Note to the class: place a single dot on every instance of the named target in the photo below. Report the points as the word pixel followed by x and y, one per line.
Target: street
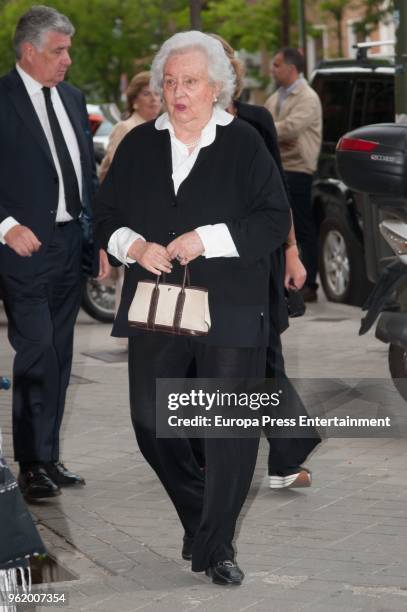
pixel 340 545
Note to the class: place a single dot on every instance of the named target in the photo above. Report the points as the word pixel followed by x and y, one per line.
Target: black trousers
pixel 286 454
pixel 299 185
pixel 208 505
pixel 41 311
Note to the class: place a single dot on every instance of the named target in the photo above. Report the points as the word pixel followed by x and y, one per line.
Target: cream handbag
pixel 175 309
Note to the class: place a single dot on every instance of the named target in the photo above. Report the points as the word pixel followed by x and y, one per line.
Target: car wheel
pixel 398 368
pixel 342 263
pixel 98 300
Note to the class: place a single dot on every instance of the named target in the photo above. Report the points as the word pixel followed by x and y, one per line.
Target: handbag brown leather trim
pixel 153 307
pixel 178 311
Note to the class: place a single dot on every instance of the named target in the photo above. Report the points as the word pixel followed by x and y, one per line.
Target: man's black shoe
pixel 187 547
pixel 35 484
pixel 61 476
pixel 225 572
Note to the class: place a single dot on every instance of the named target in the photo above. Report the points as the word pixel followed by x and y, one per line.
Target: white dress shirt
pixel 34 90
pixel 216 238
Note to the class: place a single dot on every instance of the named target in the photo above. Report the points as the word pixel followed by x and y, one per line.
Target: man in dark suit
pixel 47 178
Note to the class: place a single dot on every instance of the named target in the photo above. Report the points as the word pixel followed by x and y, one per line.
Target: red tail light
pixel 356 144
pixel 95 120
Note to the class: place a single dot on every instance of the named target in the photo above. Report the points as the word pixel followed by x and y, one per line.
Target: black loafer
pixel 187 548
pixel 225 572
pixel 61 475
pixel 35 484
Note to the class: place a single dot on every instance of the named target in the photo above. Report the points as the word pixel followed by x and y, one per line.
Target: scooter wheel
pixel 398 368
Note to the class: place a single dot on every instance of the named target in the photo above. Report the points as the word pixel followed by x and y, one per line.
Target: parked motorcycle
pixel 373 160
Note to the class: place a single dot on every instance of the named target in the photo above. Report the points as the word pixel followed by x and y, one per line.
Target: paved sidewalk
pixel 339 546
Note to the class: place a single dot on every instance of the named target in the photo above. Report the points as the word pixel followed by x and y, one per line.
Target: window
pixel 380 102
pixel 335 100
pixel 358 105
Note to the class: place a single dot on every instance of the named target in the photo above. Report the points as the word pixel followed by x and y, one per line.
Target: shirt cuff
pixel 5 226
pixel 120 242
pixel 217 241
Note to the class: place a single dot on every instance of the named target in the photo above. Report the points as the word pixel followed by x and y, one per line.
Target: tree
pixel 336 8
pixel 375 12
pixel 121 36
pixel 195 14
pixel 251 25
pixel 112 37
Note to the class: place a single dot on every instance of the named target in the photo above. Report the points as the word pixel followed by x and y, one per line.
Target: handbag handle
pixel 186 281
pixel 179 306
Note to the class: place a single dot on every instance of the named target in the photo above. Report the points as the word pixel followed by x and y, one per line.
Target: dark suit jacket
pixel 261 119
pixel 28 178
pixel 234 181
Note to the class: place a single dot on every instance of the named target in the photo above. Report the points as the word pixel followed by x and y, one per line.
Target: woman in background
pixel 142 105
pixel 287 271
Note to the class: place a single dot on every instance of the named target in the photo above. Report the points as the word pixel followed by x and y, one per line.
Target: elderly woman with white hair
pixel 196 186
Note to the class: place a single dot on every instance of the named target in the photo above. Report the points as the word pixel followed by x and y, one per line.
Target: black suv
pixel 353 93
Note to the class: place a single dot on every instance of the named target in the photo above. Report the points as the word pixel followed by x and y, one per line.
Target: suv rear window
pixel 379 102
pixel 335 99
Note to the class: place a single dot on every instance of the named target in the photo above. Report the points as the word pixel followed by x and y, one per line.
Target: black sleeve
pixel 268 219
pixel 89 138
pixel 107 215
pixel 269 134
pixel 90 248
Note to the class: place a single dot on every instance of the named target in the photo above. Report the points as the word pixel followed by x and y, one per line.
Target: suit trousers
pixel 208 504
pixel 41 311
pixel 300 185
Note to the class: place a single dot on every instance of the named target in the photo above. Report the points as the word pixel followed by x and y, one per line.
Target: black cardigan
pixel 235 181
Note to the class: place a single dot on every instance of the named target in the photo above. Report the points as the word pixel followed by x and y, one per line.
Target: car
pixel 98 299
pixel 102 118
pixel 95 115
pixel 353 93
pixel 101 139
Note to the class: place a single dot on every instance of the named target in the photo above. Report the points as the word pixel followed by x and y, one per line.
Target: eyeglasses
pixel 188 84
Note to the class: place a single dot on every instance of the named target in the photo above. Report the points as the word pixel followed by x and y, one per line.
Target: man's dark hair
pixel 294 57
pixel 38 20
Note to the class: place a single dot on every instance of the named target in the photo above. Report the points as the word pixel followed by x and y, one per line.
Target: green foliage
pixel 9 15
pixel 245 25
pixel 112 37
pixel 120 36
pixel 335 8
pixel 374 14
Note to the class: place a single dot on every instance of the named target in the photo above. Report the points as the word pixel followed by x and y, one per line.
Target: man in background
pixel 297 115
pixel 47 178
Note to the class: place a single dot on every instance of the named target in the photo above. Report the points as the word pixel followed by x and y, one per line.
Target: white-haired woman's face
pixel 188 94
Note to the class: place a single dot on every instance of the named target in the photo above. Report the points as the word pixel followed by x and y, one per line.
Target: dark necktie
pixel 71 189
